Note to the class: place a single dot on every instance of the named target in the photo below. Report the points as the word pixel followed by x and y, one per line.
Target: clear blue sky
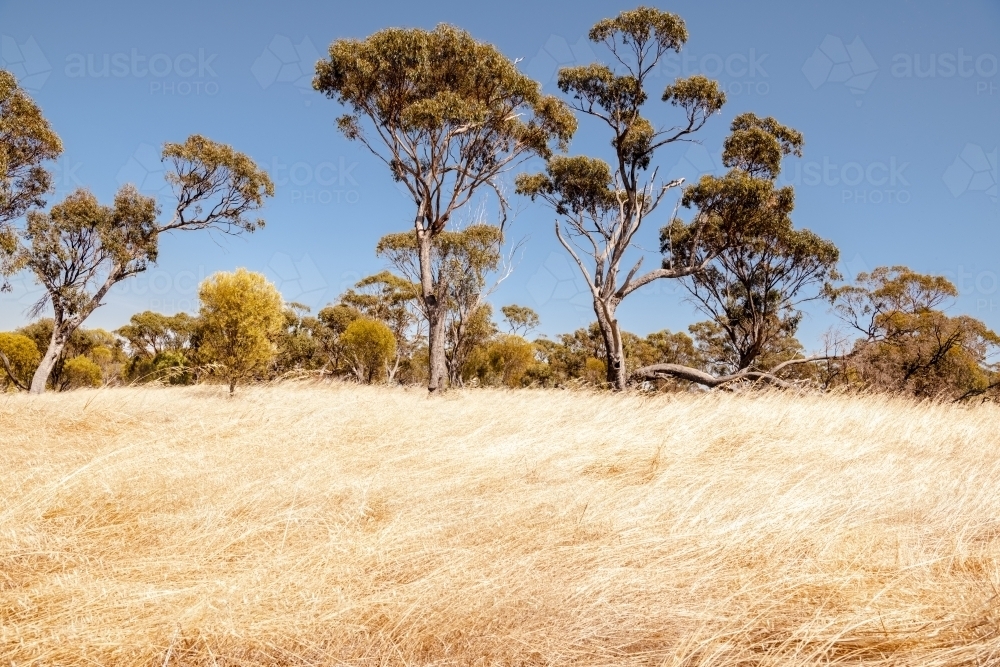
pixel 899 103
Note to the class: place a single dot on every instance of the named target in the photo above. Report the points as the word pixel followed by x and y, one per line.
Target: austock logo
pixel 973 170
pixel 557 280
pixel 284 62
pixel 836 62
pixel 298 281
pixel 145 171
pixel 695 163
pixel 556 53
pixel 162 290
pixel 25 61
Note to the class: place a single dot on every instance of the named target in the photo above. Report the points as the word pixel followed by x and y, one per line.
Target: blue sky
pixel 899 103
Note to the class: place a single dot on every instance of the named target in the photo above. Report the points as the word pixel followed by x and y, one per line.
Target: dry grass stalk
pixel 316 524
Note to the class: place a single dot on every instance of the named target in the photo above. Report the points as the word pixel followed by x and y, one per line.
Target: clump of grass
pixel 318 524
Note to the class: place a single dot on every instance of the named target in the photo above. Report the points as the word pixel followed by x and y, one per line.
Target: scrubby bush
pixel 241 314
pixel 81 371
pixel 22 358
pixel 368 346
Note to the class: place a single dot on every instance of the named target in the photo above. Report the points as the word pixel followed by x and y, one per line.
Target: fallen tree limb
pixel 10 373
pixel 659 371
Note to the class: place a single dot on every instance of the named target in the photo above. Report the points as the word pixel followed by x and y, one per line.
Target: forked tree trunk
pixel 438 363
pixel 614 349
pixel 434 309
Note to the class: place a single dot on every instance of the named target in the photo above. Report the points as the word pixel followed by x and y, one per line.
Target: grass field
pixel 328 525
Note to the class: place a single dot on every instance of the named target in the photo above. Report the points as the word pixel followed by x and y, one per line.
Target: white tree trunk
pixel 56 344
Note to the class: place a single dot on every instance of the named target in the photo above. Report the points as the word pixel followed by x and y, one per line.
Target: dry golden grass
pixel 323 525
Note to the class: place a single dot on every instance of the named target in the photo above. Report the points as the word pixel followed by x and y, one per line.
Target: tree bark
pixel 60 334
pixel 708 380
pixel 11 378
pixel 614 349
pixel 438 363
pixel 434 309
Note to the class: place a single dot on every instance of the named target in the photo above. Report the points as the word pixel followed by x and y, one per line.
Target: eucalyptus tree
pixel 754 291
pixel 908 343
pixel 757 269
pixel 390 299
pixel 448 116
pixel 80 248
pixel 520 319
pixel 460 263
pixel 601 206
pixel 26 141
pixel 240 316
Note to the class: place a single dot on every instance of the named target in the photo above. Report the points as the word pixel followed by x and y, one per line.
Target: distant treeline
pixel 374 333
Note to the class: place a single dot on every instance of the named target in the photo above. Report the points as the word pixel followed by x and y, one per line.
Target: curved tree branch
pixel 659 371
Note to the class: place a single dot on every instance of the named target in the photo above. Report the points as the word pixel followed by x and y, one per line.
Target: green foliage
pixel 79 372
pixel 369 345
pixel 909 344
pixel 450 115
pixel 440 83
pixel 80 247
pixel 170 366
pixel 602 204
pixel 215 186
pixel 82 342
pixel 641 29
pixel 504 361
pixel 461 262
pixel 150 334
pixel 752 290
pixel 26 141
pixel 19 361
pixel 338 317
pixel 387 298
pixel 520 319
pixel 241 314
pixel 757 145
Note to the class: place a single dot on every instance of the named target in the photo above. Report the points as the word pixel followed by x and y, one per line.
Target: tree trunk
pixel 438 365
pixel 614 350
pixel 434 309
pixel 56 345
pixel 457 359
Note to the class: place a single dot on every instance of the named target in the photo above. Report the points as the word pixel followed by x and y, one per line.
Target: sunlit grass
pixel 316 524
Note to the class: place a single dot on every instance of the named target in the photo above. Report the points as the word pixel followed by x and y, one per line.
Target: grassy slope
pixel 322 525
